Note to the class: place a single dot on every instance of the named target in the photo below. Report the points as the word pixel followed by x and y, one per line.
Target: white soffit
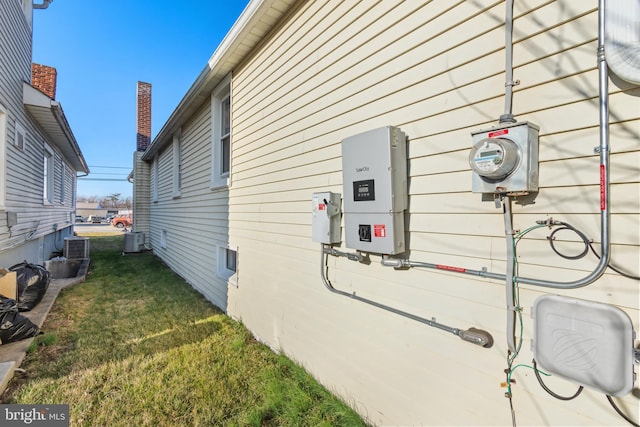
pixel 51 119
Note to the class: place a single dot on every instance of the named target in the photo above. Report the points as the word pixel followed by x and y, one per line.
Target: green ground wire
pixel 524 366
pixel 517 238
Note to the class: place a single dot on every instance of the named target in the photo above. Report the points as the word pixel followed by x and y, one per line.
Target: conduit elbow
pixel 393 262
pixel 477 337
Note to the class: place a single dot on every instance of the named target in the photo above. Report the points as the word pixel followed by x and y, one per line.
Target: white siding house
pixel 301 76
pixel 39 156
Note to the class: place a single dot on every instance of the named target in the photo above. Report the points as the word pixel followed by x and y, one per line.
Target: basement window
pixel 227 264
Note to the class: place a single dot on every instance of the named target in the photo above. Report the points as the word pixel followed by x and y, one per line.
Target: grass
pixel 136 345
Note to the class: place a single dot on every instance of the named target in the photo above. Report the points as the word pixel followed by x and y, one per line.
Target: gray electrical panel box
pixel 325 220
pixel 374 171
pixel 505 160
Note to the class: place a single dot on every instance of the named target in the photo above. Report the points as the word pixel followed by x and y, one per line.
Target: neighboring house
pixel 85 209
pixel 39 155
pixel 224 197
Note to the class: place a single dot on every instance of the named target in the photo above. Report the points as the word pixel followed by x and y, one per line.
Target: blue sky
pixel 101 49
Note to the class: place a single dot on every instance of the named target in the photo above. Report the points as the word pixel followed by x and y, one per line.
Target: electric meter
pixel 494 158
pixel 505 160
pixel 374 173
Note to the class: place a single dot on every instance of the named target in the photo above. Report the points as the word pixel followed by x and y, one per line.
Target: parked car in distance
pixel 95 219
pixel 80 218
pixel 121 221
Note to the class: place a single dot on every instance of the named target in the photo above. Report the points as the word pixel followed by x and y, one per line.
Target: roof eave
pixel 255 21
pixel 51 119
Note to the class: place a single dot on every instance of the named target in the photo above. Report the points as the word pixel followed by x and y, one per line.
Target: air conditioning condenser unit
pixel 133 242
pixel 76 247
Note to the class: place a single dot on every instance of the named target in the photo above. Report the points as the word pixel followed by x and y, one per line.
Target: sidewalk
pixel 12 354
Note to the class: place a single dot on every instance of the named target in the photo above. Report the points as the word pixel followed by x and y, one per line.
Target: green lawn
pixel 135 345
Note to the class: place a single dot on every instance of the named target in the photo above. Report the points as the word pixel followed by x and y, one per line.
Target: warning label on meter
pixel 379 230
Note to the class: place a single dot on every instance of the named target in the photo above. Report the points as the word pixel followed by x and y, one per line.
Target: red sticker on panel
pixel 379 230
pixel 498 133
pixel 322 206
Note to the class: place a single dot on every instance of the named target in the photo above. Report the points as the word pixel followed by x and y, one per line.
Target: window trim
pixel 220 94
pixel 19 131
pixel 163 239
pixel 63 183
pixel 3 143
pixel 154 179
pixel 177 164
pixel 48 175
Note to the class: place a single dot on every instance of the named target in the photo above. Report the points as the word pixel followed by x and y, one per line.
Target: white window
pixel 3 139
pixel 227 264
pixel 221 134
pixel 20 137
pixel 177 164
pixel 154 179
pixel 48 175
pixel 63 181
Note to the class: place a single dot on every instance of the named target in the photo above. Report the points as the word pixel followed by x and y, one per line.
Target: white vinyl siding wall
pixel 23 180
pixel 436 70
pixel 196 222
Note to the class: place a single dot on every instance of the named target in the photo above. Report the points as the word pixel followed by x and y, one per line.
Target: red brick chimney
pixel 44 79
pixel 143 138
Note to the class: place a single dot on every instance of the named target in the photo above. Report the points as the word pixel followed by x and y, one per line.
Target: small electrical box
pixel 505 160
pixel 586 342
pixel 374 171
pixel 325 222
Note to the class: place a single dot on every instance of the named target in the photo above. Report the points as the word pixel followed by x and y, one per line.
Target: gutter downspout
pixel 45 4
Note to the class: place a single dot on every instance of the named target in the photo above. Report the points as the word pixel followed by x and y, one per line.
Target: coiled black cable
pixel 587 245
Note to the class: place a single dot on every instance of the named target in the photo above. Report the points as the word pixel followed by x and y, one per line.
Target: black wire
pixel 613 267
pixel 587 245
pixel 548 390
pixel 622 414
pixel 509 396
pixel 584 238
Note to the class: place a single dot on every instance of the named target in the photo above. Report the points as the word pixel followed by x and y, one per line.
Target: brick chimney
pixel 143 138
pixel 44 79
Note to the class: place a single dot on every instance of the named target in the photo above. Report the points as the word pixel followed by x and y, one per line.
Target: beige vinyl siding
pixel 197 220
pixel 436 70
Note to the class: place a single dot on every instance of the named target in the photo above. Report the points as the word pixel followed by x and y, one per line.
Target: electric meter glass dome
pixel 494 158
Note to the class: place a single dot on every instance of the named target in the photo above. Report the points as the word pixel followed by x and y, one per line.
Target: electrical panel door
pixel 374 168
pixel 325 220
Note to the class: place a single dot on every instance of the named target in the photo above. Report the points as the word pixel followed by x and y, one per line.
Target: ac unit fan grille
pixel 76 248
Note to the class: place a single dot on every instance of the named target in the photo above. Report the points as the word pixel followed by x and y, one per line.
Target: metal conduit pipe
pixel 605 213
pixel 507 117
pixel 509 283
pixel 472 335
